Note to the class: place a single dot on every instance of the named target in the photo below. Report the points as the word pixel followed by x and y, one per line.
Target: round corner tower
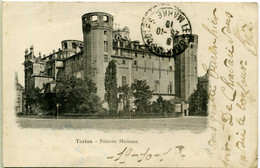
pixel 98 46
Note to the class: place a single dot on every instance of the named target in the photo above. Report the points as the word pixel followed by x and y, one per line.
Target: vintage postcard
pixel 130 84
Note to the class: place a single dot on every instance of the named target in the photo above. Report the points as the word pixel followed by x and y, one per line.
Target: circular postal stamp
pixel 166 30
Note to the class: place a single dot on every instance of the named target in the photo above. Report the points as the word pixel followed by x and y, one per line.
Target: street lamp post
pixel 57 106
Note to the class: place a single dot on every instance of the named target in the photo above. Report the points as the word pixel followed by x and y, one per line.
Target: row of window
pixel 94 18
pixel 143 55
pixel 156 85
pixel 124 62
pixel 129 44
pixel 74 45
pixel 136 63
pixel 122 45
pixel 79 57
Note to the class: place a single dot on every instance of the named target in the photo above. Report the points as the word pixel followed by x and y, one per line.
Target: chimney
pixel 26 51
pixel 40 55
pixel 32 51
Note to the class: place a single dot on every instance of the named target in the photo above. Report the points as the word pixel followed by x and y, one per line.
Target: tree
pixel 111 87
pixel 168 107
pixel 125 97
pixel 77 95
pixel 91 105
pixel 33 98
pixel 142 95
pixel 161 106
pixel 48 101
pixel 199 102
pixel 157 106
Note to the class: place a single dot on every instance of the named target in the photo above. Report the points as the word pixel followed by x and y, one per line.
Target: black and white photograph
pixel 108 75
pixel 110 84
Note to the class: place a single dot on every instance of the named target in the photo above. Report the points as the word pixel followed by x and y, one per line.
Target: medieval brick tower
pixel 186 73
pixel 98 46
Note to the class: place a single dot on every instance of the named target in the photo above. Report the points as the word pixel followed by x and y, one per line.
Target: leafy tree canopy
pixel 199 102
pixel 77 95
pixel 33 96
pixel 142 95
pixel 161 106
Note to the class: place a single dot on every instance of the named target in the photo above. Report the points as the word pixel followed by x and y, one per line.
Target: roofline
pixel 42 76
pixel 93 13
pixel 81 52
pixel 71 40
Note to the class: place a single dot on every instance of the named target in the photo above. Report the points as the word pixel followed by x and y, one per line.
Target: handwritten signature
pixel 234 87
pixel 245 35
pixel 147 155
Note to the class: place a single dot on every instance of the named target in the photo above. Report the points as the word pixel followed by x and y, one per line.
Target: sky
pixel 44 25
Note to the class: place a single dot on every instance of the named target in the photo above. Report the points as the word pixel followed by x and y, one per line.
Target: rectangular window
pixel 170 88
pixel 123 80
pixel 123 62
pixel 105 32
pixel 116 51
pixel 192 39
pixel 105 18
pixel 74 45
pixel 65 45
pixel 121 52
pixel 105 46
pixel 94 18
pixel 191 46
pixel 105 58
pixel 156 85
pixel 135 54
pixel 121 44
pixel 135 62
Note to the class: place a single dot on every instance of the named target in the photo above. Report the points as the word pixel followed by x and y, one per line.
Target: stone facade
pixel 204 81
pixel 186 72
pixel 19 95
